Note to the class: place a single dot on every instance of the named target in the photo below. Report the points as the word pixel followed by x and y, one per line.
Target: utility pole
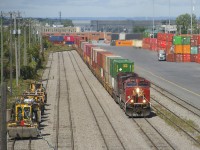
pixel 11 55
pixel 25 49
pixel 19 44
pixel 1 48
pixel 16 58
pixel 29 43
pixel 3 128
pixel 153 17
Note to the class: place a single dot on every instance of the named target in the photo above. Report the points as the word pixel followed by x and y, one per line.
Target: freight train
pixel 116 74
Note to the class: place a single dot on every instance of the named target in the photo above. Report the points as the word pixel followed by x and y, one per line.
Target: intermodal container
pixel 178 57
pixel 193 57
pixel 193 42
pixel 138 43
pixel 124 43
pixel 186 49
pixel 69 38
pixel 194 50
pixel 69 43
pixel 177 40
pixel 100 56
pixel 170 58
pixel 122 66
pixel 122 36
pixel 198 58
pixel 186 58
pixel 105 55
pixel 111 79
pixel 186 40
pixel 178 49
pixel 199 49
pixel 95 51
pixel 169 37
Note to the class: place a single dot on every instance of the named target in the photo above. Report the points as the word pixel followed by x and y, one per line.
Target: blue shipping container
pixel 56 38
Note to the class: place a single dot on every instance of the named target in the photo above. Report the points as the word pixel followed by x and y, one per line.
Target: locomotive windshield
pixel 143 83
pixel 131 84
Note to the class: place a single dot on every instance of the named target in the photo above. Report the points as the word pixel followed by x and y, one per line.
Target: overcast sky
pixel 100 8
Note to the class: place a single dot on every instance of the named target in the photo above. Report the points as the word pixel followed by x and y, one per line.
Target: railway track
pixel 192 132
pixel 16 144
pixel 63 99
pixel 177 100
pixel 102 122
pixel 157 140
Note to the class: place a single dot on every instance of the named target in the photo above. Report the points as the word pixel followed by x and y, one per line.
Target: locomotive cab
pixel 135 97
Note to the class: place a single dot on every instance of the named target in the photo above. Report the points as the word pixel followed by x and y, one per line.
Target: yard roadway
pixel 182 79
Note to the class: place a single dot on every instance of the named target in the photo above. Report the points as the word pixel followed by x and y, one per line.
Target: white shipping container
pixel 138 43
pixel 122 36
pixel 108 62
pixel 95 54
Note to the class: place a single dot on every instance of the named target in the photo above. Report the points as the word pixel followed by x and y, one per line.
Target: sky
pixel 101 8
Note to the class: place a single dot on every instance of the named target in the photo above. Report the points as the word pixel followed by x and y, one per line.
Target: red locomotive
pixel 133 94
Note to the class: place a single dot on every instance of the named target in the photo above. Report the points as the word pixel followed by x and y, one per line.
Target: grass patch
pixel 181 122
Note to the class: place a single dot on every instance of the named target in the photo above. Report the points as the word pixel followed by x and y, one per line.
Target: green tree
pixel 183 23
pixel 67 23
pixel 138 29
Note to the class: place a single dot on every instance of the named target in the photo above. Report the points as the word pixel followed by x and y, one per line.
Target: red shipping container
pixel 159 36
pixel 198 58
pixel 153 41
pixel 178 57
pixel 195 36
pixel 69 38
pixel 199 49
pixel 193 57
pixel 170 37
pixel 186 58
pixel 193 42
pixel 170 58
pixel 100 56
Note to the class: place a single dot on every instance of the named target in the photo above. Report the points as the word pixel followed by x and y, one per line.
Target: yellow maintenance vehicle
pixel 39 88
pixel 38 97
pixel 25 119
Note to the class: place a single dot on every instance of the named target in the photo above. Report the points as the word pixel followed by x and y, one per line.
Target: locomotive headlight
pixel 144 101
pixel 132 101
pixel 137 90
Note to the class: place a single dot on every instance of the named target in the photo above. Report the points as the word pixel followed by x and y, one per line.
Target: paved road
pixel 182 79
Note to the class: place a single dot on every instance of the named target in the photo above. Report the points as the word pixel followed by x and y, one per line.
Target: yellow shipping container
pixel 186 49
pixel 124 43
pixel 178 49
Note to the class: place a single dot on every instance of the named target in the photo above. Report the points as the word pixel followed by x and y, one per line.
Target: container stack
pixel 194 42
pixel 164 41
pixel 150 44
pixel 69 40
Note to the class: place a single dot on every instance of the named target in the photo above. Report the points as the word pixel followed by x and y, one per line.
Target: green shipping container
pixel 186 40
pixel 122 66
pixel 177 40
pixel 111 63
pixel 194 50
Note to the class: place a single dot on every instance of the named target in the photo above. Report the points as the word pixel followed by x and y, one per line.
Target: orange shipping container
pixel 178 49
pixel 186 49
pixel 124 43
